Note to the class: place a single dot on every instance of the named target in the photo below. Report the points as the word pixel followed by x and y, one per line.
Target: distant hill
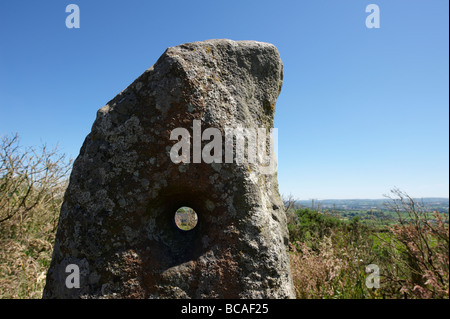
pixel 433 203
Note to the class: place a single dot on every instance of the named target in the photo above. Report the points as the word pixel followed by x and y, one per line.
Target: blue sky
pixel 361 110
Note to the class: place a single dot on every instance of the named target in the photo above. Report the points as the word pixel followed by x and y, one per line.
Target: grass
pixel 25 255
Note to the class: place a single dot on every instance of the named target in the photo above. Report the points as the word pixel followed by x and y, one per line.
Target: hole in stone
pixel 186 218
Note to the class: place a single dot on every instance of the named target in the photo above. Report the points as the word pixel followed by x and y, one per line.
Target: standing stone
pixel 117 220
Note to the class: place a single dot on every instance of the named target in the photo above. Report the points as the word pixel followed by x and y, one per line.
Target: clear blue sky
pixel 361 110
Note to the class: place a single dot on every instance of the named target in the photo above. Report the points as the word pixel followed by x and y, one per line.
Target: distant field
pixel 435 204
pixel 374 212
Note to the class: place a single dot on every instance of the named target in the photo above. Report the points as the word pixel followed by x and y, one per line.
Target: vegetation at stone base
pixel 329 252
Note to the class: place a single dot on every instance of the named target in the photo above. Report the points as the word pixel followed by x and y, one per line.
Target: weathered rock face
pixel 116 223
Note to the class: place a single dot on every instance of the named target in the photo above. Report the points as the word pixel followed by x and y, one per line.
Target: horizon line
pixel 415 198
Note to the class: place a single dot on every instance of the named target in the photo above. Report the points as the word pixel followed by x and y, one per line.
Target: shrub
pixel 32 184
pixel 418 249
pixel 329 257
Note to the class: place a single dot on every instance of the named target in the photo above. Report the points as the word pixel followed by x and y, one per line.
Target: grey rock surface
pixel 116 222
